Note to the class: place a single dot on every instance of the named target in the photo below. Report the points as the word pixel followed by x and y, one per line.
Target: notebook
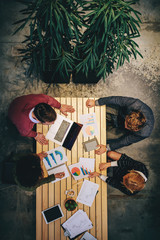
pixel 64 132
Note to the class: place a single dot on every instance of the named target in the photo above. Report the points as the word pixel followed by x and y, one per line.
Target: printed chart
pixel 83 168
pixel 55 158
pixel 89 122
pixel 75 171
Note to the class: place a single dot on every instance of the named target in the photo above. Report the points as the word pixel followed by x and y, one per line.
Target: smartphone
pixel 53 213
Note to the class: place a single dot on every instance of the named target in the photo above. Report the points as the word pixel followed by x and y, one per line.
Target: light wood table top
pixel 54 193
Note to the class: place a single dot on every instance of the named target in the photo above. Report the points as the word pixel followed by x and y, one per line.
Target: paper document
pixel 90 127
pixel 87 193
pixel 83 168
pixel 77 224
pixel 88 236
pixel 61 168
pixel 55 157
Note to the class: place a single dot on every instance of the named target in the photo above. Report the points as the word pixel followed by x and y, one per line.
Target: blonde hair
pixel 135 120
pixel 133 181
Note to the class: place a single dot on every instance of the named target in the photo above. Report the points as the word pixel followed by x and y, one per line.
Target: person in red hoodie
pixel 27 110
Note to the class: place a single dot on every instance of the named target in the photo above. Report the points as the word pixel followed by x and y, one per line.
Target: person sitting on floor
pixel 27 110
pixel 29 171
pixel 129 120
pixel 129 176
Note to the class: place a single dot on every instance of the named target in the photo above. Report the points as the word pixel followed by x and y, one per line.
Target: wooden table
pixel 53 193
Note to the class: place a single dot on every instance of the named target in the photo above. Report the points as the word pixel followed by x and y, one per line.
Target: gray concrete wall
pixel 129 217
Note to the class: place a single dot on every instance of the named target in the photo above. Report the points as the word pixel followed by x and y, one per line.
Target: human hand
pixel 103 166
pixel 59 175
pixel 42 155
pixel 102 149
pixel 41 139
pixel 90 103
pixel 94 174
pixel 66 108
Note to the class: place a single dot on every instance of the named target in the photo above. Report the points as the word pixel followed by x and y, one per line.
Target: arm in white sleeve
pixel 114 164
pixel 103 178
pixel 108 147
pixel 96 103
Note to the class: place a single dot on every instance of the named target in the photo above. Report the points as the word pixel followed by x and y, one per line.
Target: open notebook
pixel 64 132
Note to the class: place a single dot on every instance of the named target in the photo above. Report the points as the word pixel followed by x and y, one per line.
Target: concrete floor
pixel 134 218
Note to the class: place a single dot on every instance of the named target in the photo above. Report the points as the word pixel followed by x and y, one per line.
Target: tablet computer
pixel 53 213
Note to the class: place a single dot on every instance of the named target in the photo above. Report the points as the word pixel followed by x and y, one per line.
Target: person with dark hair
pixel 129 120
pixel 129 176
pixel 27 110
pixel 29 171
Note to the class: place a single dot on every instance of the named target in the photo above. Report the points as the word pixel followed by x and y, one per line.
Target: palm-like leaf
pixel 56 42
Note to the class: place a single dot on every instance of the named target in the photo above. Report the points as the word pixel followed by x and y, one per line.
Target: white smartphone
pixel 53 213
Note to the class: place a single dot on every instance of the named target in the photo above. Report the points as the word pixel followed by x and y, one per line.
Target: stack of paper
pixel 88 236
pixel 77 224
pixel 83 168
pixel 87 193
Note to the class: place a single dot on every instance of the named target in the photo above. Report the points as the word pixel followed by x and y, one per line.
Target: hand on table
pixel 94 174
pixel 42 155
pixel 90 103
pixel 102 149
pixel 103 166
pixel 66 108
pixel 41 139
pixel 59 175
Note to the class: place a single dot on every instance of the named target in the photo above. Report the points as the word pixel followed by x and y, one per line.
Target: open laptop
pixel 64 132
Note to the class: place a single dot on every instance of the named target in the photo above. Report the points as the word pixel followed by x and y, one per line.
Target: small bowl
pixel 70 204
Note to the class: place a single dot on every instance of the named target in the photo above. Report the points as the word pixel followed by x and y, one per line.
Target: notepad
pixel 90 144
pixel 77 224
